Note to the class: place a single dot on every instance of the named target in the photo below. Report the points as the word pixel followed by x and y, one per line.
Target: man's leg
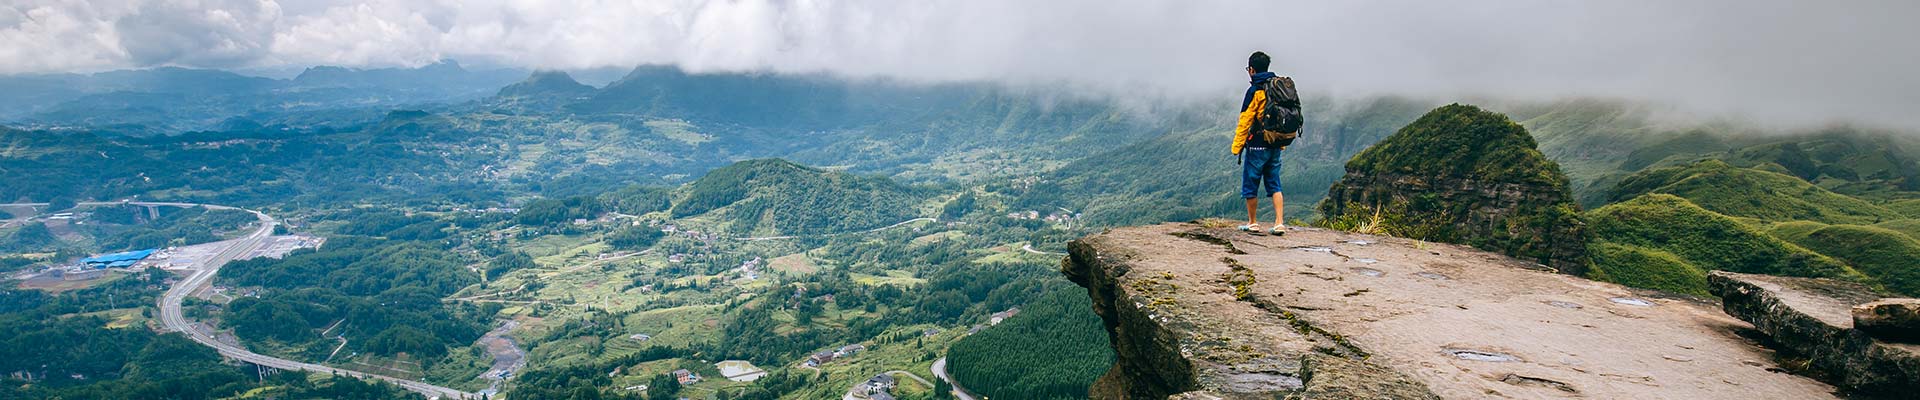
pixel 1253 210
pixel 1279 211
pixel 1271 174
pixel 1250 183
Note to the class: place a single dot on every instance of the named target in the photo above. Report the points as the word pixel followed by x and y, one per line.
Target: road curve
pixel 940 372
pixel 174 319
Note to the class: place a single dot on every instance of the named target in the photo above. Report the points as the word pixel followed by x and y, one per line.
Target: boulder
pixel 1889 319
pixel 1813 318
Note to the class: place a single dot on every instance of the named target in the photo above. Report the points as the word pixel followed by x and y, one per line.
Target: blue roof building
pixel 117 260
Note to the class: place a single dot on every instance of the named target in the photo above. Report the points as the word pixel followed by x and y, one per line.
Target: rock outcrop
pixel 1889 319
pixel 1202 312
pixel 1813 319
pixel 1464 175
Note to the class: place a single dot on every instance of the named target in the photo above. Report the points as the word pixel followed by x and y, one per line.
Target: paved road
pixel 940 371
pixel 1029 248
pixel 174 319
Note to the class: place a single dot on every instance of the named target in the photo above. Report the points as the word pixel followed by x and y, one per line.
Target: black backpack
pixel 1280 120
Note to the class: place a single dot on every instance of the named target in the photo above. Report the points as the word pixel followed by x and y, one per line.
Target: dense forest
pixel 389 292
pixel 1053 349
pixel 80 356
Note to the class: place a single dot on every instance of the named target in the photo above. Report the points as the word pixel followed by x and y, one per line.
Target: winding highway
pixel 202 274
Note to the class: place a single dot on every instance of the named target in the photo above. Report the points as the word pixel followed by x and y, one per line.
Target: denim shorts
pixel 1260 168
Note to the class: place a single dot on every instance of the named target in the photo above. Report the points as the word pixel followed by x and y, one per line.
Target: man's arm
pixel 1243 130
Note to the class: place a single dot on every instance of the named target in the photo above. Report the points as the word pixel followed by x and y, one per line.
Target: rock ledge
pixel 1814 318
pixel 1199 312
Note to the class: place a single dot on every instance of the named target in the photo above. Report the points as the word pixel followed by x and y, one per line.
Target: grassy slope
pixel 1908 207
pixel 1730 190
pixel 1911 227
pixel 1650 228
pixel 1890 257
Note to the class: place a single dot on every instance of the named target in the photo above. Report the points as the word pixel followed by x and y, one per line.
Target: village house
pixel 686 377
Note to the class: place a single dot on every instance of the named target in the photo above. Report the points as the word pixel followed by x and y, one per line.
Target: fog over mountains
pixel 1797 62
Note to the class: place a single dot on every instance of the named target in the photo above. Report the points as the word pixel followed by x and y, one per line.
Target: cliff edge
pixel 1200 312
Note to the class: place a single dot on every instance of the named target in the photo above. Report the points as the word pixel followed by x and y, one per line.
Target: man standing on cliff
pixel 1265 129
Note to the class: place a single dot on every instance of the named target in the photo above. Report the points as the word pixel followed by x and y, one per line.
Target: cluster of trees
pixel 64 354
pixel 798 199
pixel 1054 349
pixel 590 380
pixel 28 238
pixel 127 227
pixel 634 237
pixel 388 293
pixel 630 200
pixel 393 225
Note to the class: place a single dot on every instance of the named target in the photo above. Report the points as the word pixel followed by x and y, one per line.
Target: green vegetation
pixel 1462 141
pixel 1664 242
pixel 1908 207
pixel 1460 174
pixel 1743 192
pixel 389 291
pixel 1054 349
pixel 1911 227
pixel 777 196
pixel 1646 268
pixel 1889 257
pixel 127 227
pixel 28 238
pixel 64 347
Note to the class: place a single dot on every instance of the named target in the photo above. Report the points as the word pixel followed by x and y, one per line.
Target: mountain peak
pixel 546 82
pixel 1464 175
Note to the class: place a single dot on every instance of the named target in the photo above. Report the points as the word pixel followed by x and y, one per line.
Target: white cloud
pixel 1800 61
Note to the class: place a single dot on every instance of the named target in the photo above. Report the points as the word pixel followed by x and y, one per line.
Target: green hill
pixel 1460 174
pixel 1665 242
pixel 1890 257
pixel 1843 160
pixel 1726 189
pixel 774 196
pixel 1910 227
pixel 1908 207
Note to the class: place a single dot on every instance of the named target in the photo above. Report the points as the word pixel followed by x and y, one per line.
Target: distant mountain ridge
pixel 172 100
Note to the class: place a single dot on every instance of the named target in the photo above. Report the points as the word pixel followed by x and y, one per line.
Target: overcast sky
pixel 1804 61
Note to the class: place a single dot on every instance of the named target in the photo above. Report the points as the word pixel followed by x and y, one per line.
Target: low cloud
pixel 1799 62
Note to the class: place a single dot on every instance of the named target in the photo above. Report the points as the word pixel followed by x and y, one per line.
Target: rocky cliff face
pixel 1814 318
pixel 1464 175
pixel 1202 312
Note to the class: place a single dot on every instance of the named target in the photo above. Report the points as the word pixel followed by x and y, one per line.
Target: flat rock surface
pixel 1466 323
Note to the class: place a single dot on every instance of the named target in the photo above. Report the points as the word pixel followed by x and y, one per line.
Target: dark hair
pixel 1259 61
